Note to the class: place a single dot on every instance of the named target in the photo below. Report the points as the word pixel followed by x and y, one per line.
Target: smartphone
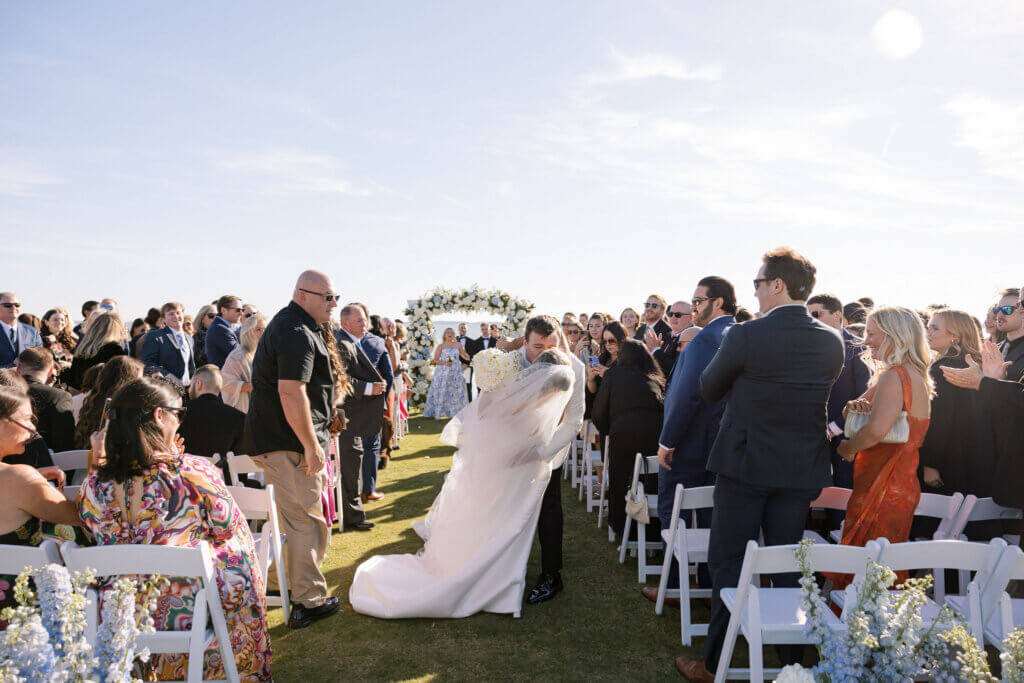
pixel 593 361
pixel 106 415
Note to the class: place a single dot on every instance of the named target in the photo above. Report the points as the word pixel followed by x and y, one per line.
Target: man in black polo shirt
pixel 289 417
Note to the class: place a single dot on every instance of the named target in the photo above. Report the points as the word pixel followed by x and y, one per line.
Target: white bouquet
pixel 494 369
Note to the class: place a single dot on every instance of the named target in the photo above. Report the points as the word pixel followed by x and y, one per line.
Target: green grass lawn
pixel 599 628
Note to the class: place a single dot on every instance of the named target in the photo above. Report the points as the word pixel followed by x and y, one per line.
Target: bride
pixel 480 528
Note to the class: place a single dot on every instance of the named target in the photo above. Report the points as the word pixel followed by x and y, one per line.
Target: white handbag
pixel 899 433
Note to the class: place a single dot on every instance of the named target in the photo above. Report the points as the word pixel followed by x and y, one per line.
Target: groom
pixel 542 333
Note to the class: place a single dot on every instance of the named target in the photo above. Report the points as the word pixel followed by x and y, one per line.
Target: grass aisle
pixel 599 628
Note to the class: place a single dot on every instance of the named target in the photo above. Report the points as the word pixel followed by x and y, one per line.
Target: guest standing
pixel 654 321
pixel 1010 321
pixel 168 349
pixel 771 455
pixel 289 419
pixel 105 338
pixel 59 340
pixel 87 309
pixel 447 393
pixel 222 335
pixel 237 371
pixel 630 321
pixel 680 318
pixel 203 319
pixel 15 336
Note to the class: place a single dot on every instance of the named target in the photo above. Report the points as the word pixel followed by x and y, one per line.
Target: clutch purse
pixel 637 509
pixel 899 433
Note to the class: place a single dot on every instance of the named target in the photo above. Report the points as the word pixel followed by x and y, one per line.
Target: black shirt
pixel 1013 351
pixel 55 418
pixel 291 348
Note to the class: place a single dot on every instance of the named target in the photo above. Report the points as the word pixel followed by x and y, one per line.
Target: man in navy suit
pixel 354 322
pixel 169 349
pixel 691 424
pixel 15 337
pixel 222 335
pixel 771 455
pixel 852 383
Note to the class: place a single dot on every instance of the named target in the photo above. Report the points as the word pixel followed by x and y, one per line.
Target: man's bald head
pixel 312 279
pixel 315 294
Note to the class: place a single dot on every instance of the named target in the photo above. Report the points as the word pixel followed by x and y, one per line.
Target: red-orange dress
pixel 885 487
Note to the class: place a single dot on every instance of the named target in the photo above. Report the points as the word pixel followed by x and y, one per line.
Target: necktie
pixel 14 337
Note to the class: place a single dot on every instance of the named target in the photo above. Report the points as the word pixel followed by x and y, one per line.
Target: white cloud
pixel 646 66
pixel 285 171
pixel 994 129
pixel 18 179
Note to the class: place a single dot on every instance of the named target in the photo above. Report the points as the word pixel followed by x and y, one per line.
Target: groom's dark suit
pixel 772 450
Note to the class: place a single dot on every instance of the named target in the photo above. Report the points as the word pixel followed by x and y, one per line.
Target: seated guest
pixel 208 426
pixel 36 454
pixel 237 370
pixel 88 385
pixel 136 334
pixel 104 339
pixel 144 492
pixel 222 335
pixel 629 408
pixel 168 349
pixel 55 420
pixel 116 373
pixel 15 336
pixel 87 309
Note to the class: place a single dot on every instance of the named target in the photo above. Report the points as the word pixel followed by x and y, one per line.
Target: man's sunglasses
pixel 1005 310
pixel 652 305
pixel 11 304
pixel 698 300
pixel 818 314
pixel 677 314
pixel 327 297
pixel 107 307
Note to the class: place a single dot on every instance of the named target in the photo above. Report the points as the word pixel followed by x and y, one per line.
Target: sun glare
pixel 897 34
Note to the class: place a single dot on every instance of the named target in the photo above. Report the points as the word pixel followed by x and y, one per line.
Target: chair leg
pixel 641 552
pixel 666 564
pixel 625 539
pixel 728 645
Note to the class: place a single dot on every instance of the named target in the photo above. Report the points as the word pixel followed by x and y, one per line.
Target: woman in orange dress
pixel 885 485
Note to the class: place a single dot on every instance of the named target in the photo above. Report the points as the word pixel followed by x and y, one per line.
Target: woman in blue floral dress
pixel 447 395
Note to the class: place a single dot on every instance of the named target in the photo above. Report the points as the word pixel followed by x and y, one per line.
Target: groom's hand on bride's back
pixel 511 344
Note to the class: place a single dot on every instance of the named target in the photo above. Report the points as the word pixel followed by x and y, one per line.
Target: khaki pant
pixel 300 514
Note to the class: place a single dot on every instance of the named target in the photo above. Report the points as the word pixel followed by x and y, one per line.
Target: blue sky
pixel 579 154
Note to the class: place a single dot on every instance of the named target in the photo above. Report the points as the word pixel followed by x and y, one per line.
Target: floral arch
pixel 440 301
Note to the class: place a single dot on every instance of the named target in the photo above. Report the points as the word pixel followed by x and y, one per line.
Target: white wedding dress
pixel 480 528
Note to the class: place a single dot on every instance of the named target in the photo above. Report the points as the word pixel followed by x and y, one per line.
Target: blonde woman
pixel 885 486
pixel 237 370
pixel 447 393
pixel 105 338
pixel 201 322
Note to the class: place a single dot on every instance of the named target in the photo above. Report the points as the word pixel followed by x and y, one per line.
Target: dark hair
pixel 830 302
pixel 226 301
pixel 855 313
pixel 133 434
pixel 619 332
pixel 376 326
pixel 794 269
pixel 65 336
pixel 867 302
pixel 35 359
pixel 90 376
pixel 342 386
pixel 633 354
pixel 136 324
pixel 11 398
pixel 720 288
pixel 152 316
pixel 30 319
pixel 742 315
pixel 116 373
pixel 552 357
pixel 88 306
pixel 544 325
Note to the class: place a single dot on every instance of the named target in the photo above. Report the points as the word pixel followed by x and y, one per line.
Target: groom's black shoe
pixel 548 586
pixel 304 616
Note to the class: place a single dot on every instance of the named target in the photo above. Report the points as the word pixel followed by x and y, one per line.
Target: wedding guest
pixel 402 339
pixel 154 318
pixel 204 318
pixel 630 321
pixel 854 316
pixel 144 491
pixel 237 372
pixel 867 302
pixel 590 345
pixel 207 425
pixel 629 408
pixel 188 327
pixel 290 413
pixel 36 453
pixel 852 383
pixel 573 332
pixel 87 309
pixel 248 311
pixel 28 497
pixel 992 332
pixel 387 432
pixel 51 405
pixel 15 336
pixel 743 315
pixel 222 334
pixel 447 394
pixel 654 321
pixel 1010 321
pixel 137 331
pixel 680 317
pixel 116 373
pixel 31 321
pixel 104 339
pixel 958 452
pixel 885 486
pixel 109 305
pixel 568 318
pixel 465 342
pixel 771 456
pixel 168 349
pixel 59 340
pixel 89 380
pixel 612 337
pixel 691 424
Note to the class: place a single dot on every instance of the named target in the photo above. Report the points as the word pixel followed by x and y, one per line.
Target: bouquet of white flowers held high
pixel 494 369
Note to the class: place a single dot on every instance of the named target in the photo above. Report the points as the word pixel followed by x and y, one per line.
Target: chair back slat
pixel 698 498
pixel 71 492
pixel 14 559
pixel 832 498
pixel 255 504
pixel 941 554
pixel 821 557
pixel 115 560
pixel 71 460
pixel 986 509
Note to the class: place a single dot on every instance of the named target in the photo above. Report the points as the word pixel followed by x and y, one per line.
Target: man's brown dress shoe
pixel 694 670
pixel 376 495
pixel 651 593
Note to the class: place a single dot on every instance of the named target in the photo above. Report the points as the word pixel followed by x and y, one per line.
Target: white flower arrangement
pixel 494 369
pixel 45 638
pixel 421 329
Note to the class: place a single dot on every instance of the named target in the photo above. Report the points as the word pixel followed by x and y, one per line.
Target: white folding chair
pixel 146 560
pixel 74 464
pixel 576 476
pixel 830 498
pixel 1009 612
pixel 935 506
pixel 336 460
pixel 689 546
pixel 772 616
pixel 602 502
pixel 591 480
pixel 638 494
pixel 259 505
pixel 71 492
pixel 14 559
pixel 243 464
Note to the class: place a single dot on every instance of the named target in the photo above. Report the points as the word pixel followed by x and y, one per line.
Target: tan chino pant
pixel 301 516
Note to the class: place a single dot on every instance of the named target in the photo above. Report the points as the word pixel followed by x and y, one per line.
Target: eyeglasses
pixel 1005 310
pixel 652 305
pixel 177 410
pixel 11 304
pixel 817 314
pixel 106 307
pixel 31 430
pixel 327 297
pixel 249 315
pixel 758 281
pixel 698 300
pixel 611 340
pixel 677 314
pixel 211 316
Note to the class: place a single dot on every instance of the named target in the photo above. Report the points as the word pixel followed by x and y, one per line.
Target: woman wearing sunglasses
pixel 203 319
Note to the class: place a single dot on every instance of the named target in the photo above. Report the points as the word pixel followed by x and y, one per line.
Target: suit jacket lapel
pixel 7 341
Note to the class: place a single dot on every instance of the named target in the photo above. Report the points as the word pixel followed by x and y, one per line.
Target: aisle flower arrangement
pixel 45 637
pixel 886 638
pixel 439 301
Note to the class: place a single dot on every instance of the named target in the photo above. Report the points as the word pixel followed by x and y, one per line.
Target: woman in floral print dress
pixel 143 492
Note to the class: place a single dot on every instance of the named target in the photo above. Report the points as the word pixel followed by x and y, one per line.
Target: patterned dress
pixel 447 394
pixel 184 502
